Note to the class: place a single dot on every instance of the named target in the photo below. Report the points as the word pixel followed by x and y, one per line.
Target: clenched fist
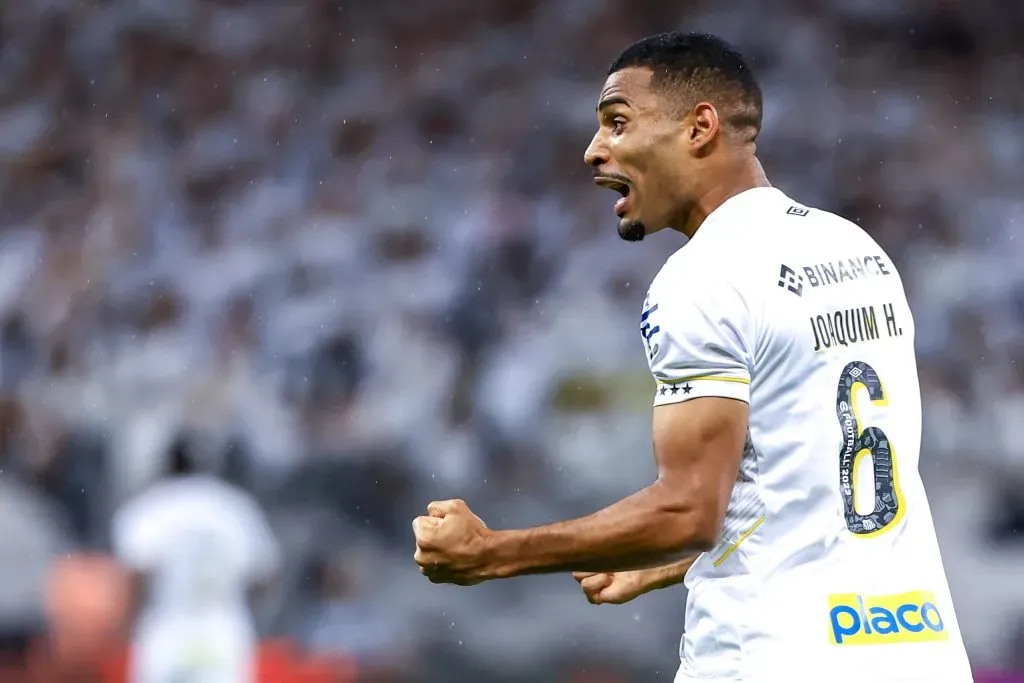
pixel 612 588
pixel 452 544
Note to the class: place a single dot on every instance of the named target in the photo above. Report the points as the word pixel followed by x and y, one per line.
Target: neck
pixel 740 177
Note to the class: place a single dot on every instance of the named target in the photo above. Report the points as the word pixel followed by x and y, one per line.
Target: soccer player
pixel 198 548
pixel 787 411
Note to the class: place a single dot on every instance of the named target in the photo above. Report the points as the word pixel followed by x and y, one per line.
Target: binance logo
pixel 789 280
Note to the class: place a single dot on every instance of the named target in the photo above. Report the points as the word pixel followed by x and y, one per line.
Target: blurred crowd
pixel 351 253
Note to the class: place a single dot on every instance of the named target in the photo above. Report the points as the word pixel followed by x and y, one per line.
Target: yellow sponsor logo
pixel 910 617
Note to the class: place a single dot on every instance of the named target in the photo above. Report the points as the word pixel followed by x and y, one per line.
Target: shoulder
pixel 699 280
pixel 749 244
pixel 736 239
pixel 143 513
pixel 695 314
pixel 227 499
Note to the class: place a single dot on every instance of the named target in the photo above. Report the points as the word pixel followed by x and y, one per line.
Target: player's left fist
pixel 452 544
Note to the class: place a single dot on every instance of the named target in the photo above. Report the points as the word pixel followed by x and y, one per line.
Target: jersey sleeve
pixel 697 343
pixel 134 543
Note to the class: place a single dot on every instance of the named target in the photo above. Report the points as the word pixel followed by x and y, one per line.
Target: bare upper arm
pixel 698 447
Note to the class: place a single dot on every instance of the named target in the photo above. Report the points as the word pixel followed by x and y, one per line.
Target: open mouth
pixel 620 187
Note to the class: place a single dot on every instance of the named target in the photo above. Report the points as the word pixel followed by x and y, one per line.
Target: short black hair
pixel 695 66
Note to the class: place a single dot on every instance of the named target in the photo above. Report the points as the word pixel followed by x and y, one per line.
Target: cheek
pixel 633 160
pixel 665 164
pixel 655 169
pixel 650 154
pixel 623 151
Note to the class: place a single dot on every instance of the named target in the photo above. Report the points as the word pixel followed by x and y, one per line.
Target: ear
pixel 704 124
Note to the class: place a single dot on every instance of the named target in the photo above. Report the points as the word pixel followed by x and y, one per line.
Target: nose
pixel 597 153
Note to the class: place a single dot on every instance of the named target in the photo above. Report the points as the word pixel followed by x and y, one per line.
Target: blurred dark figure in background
pixel 32 536
pixel 344 621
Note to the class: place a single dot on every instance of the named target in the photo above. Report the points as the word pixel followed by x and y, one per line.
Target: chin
pixel 632 231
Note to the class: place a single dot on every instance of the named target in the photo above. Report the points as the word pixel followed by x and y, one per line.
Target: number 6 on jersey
pixel 857 443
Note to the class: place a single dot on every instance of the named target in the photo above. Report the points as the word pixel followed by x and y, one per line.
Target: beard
pixel 631 231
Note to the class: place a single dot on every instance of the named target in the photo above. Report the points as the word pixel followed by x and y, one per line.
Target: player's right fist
pixel 611 589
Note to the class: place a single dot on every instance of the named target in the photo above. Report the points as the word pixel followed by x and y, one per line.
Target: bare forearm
pixel 648 529
pixel 667 575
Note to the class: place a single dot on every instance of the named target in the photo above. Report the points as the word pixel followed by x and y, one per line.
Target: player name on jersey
pixel 853 326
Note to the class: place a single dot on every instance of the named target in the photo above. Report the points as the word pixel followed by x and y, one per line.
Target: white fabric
pixel 794 310
pixel 202 544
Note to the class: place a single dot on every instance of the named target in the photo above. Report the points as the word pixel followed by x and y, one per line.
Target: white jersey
pixel 203 544
pixel 828 568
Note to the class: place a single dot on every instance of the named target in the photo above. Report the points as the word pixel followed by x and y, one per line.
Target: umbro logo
pixel 797 211
pixel 791 281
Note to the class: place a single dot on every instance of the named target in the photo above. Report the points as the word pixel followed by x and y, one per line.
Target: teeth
pixel 621 188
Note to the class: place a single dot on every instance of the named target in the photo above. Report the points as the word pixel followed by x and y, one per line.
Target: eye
pixel 618 125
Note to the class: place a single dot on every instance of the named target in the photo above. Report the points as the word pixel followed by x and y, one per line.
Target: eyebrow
pixel 609 101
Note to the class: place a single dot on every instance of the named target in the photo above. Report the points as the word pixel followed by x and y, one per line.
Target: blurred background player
pixel 199 548
pixel 783 460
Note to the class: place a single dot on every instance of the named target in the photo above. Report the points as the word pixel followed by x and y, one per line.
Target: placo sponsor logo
pixel 910 617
